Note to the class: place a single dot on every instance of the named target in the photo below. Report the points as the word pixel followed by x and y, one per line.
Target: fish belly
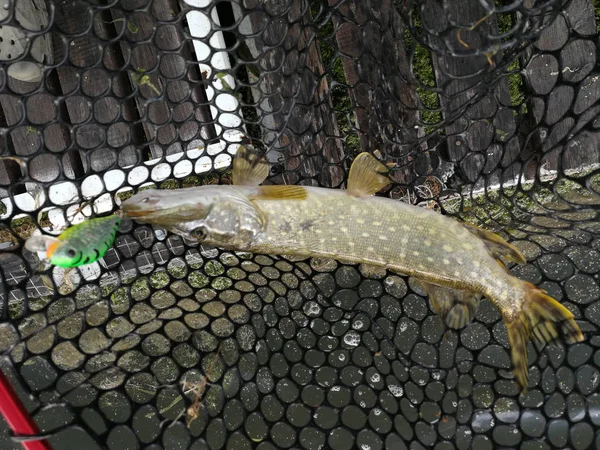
pixel 375 230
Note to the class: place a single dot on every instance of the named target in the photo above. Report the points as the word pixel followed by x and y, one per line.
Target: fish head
pixel 163 207
pixel 216 215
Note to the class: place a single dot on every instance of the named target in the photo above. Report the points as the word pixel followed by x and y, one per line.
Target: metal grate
pixel 489 112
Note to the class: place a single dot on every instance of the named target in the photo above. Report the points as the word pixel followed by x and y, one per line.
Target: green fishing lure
pixel 81 244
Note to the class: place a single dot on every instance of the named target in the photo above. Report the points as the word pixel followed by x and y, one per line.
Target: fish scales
pixel 376 231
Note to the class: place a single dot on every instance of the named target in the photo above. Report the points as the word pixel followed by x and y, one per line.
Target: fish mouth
pixel 162 217
pixel 138 212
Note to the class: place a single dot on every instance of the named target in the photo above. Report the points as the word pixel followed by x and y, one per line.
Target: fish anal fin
pixel 541 318
pixel 456 308
pixel 280 192
pixel 496 245
pixel 367 176
pixel 249 168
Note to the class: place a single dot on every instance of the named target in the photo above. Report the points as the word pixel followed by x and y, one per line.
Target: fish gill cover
pixel 486 111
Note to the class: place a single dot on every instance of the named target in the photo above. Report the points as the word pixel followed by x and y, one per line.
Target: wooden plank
pixel 461 78
pixel 294 109
pixel 373 56
pixel 327 149
pixel 10 171
pixel 548 74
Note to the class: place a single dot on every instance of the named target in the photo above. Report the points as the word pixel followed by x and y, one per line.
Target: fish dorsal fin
pixel 496 245
pixel 249 168
pixel 279 192
pixel 367 176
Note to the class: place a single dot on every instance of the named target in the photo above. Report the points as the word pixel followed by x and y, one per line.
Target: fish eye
pixel 200 233
pixel 145 200
pixel 71 253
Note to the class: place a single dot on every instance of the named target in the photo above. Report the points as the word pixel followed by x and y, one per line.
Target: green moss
pixel 169 184
pixel 159 279
pixel 177 270
pixel 505 20
pixel 214 268
pixel 516 85
pixel 140 289
pixel 222 283
pixel 145 188
pixel 44 220
pixel 39 303
pixel 119 300
pixel 23 226
pixel 7 239
pixel 124 195
pixel 107 287
pixel 16 309
pixel 190 181
pixel 198 280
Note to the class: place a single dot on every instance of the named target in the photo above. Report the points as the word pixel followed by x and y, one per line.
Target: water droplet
pixel 352 338
pixel 396 391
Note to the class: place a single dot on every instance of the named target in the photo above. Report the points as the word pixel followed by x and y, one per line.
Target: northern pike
pixel 457 263
pixel 78 245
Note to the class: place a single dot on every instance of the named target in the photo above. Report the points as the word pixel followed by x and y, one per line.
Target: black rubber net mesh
pixel 486 111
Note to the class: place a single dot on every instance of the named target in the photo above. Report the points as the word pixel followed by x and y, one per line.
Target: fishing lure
pixel 457 263
pixel 81 244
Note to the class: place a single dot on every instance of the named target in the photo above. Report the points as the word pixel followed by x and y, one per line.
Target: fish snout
pixel 137 212
pixel 135 208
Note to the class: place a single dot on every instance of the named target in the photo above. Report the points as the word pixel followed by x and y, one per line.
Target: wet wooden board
pixel 565 85
pixel 486 126
pixel 298 123
pixel 390 111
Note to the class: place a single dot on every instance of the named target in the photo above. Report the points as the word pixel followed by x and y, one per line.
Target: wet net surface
pixel 489 112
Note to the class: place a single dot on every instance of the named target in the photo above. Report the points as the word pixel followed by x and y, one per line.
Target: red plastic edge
pixel 17 417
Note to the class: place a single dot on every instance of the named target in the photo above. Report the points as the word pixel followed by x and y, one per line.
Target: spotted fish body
pixel 456 263
pixel 80 244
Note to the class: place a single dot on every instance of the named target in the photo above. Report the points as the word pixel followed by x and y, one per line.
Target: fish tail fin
pixel 543 319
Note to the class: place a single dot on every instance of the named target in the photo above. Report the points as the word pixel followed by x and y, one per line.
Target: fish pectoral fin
pixel 249 168
pixel 367 176
pixel 495 244
pixel 456 308
pixel 280 192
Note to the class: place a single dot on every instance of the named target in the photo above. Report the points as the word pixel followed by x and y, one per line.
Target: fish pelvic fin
pixel 249 168
pixel 456 308
pixel 367 176
pixel 496 245
pixel 543 319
